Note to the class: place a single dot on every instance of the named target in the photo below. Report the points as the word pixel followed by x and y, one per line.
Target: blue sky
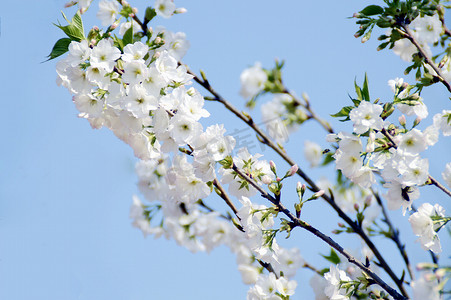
pixel 65 189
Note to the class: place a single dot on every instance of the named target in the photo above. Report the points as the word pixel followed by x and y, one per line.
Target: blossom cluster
pixel 142 92
pixel 393 152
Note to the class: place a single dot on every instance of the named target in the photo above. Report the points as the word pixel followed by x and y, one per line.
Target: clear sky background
pixel 65 189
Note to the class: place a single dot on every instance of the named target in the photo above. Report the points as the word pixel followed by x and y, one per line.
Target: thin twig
pixel 226 197
pixel 312 113
pixel 409 35
pixel 430 178
pixel 310 267
pixel 312 186
pixel 296 222
pixel 394 235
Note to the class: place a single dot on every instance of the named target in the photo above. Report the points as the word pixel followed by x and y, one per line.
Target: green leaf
pixel 372 10
pixel 72 32
pixel 60 47
pixel 128 37
pixel 328 159
pixel 150 14
pixel 344 112
pixel 358 91
pixel 332 257
pixel 365 89
pixel 78 23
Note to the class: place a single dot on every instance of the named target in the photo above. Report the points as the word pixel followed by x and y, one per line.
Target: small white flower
pixel 313 153
pixel 104 55
pixel 108 11
pixel 443 122
pixel 366 116
pixel 428 28
pixel 424 227
pixel 447 174
pixel 165 8
pixel 253 81
pixel 334 278
pixel 424 289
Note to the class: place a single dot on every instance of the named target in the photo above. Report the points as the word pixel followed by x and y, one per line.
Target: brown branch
pixel 296 222
pixel 226 197
pixel 312 186
pixel 431 179
pixel 409 35
pixel 394 235
pixel 312 113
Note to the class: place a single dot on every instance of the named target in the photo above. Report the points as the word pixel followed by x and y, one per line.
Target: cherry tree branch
pixel 312 186
pixel 431 179
pixel 409 35
pixel 266 140
pixel 395 235
pixel 308 108
pixel 296 222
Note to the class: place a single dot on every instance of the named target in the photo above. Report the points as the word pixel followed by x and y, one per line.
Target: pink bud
pixel 356 15
pixel 298 186
pixel 318 194
pixel 293 170
pixel 272 164
pixel 356 207
pixel 368 200
pixel 278 179
pixel 131 15
pixel 266 179
pixel 341 225
pixel 402 120
pixel 180 10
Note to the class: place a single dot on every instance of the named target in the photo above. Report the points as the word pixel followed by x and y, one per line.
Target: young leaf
pixel 150 14
pixel 128 37
pixel 365 89
pixel 332 257
pixel 344 112
pixel 60 47
pixel 72 32
pixel 78 23
pixel 372 10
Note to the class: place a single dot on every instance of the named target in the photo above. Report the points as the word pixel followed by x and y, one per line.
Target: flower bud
pixel 274 188
pixel 368 200
pixel 180 10
pixel 341 225
pixel 429 277
pixel 131 15
pixel 356 207
pixel 272 166
pixel 266 179
pixel 440 273
pixel 292 170
pixel 124 3
pixel 402 120
pixel 135 10
pixel 157 40
pixel 356 15
pixel 278 179
pixel 318 194
pixel 417 121
pixel 156 55
pixel 70 4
